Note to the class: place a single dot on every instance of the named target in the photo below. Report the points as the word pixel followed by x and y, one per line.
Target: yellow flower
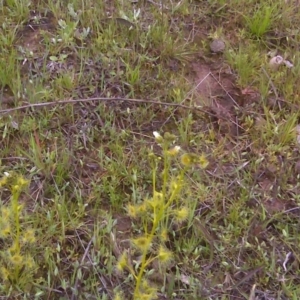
pixel 28 236
pixel 164 235
pixel 174 151
pixel 5 231
pixel 3 181
pixel 14 248
pixel 118 297
pixel 164 255
pixel 16 188
pixel 148 290
pixel 29 261
pixel 156 201
pixel 159 196
pixel 122 262
pixel 186 160
pixel 175 184
pixel 5 213
pixel 132 210
pixel 152 203
pixel 22 182
pixel 203 162
pixel 189 159
pixel 181 214
pixel 142 208
pixel 17 259
pixel 142 243
pixel 15 182
pixel 4 273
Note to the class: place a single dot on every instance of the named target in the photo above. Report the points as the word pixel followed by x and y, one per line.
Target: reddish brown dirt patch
pixel 204 84
pixel 214 88
pixel 211 80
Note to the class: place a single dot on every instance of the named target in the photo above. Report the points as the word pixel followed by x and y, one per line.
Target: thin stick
pixel 73 101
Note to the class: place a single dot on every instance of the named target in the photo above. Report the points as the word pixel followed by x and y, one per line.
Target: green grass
pixel 93 206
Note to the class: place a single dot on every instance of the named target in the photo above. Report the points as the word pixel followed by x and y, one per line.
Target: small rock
pixel 275 62
pixel 217 46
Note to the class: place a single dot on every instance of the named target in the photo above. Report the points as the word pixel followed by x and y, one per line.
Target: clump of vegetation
pixel 158 214
pixel 262 19
pixel 17 264
pixel 82 87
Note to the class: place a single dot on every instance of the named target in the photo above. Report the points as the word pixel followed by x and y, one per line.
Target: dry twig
pixel 103 99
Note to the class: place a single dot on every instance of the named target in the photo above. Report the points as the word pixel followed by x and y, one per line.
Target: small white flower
pixel 159 139
pixel 156 134
pixel 174 151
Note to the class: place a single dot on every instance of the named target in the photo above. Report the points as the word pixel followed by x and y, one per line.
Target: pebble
pixel 217 46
